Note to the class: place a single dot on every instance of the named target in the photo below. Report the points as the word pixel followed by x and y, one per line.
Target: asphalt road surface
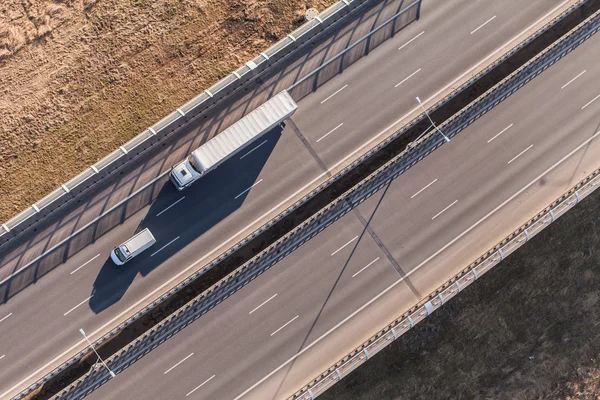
pixel 77 286
pixel 352 279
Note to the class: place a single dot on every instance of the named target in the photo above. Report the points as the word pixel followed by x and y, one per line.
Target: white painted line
pixel 339 90
pixel 520 154
pixel 365 267
pixel 245 155
pixel 233 237
pixel 170 369
pixel 407 78
pixel 65 314
pixel 2 356
pixel 440 213
pixel 83 265
pixel 500 133
pixel 247 189
pixel 571 81
pixel 170 206
pixel 482 25
pixel 328 133
pixel 591 101
pixel 431 183
pixel 286 324
pixel 410 41
pixel 202 384
pixel 352 240
pixel 263 303
pixel 415 269
pixel 162 248
pixel 5 317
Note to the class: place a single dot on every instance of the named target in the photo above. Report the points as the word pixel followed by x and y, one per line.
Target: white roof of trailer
pixel 245 130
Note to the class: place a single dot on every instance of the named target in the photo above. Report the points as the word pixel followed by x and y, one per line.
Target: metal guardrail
pixel 175 120
pixel 252 269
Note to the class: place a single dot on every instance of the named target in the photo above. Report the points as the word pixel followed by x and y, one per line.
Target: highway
pixel 343 119
pixel 334 292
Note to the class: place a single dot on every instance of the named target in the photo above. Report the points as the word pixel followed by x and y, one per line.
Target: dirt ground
pixel 529 329
pixel 78 78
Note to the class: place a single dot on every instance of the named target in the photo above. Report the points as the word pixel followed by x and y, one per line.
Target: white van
pixel 132 247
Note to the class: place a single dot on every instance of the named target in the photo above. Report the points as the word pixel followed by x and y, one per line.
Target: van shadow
pixel 207 202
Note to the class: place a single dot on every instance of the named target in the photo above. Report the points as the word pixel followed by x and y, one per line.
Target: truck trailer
pixel 232 140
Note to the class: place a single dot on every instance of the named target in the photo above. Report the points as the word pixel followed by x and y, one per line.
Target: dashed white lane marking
pixel 571 81
pixel 339 90
pixel 179 363
pixel 520 154
pixel 416 194
pixel 245 155
pixel 328 133
pixel 352 240
pixel 263 303
pixel 286 324
pixel 65 314
pixel 162 248
pixel 407 78
pixel 199 386
pixel 590 102
pixel 5 317
pixel 440 213
pixel 365 267
pixel 170 206
pixel 83 265
pixel 482 25
pixel 247 190
pixel 410 41
pixel 500 133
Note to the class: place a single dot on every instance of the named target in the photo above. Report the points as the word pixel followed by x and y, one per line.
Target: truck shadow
pixel 207 202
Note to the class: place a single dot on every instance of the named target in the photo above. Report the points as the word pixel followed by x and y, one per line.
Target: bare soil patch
pixel 78 78
pixel 529 329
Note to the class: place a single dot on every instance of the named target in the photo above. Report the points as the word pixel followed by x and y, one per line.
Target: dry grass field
pixel 529 329
pixel 78 78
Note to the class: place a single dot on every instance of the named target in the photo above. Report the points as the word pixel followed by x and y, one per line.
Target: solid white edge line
pixel 82 265
pixel 482 25
pixel 419 266
pixel 445 209
pixel 263 303
pixel 365 267
pixel 247 190
pixel 591 101
pixel 158 215
pixel 179 363
pixel 72 309
pixel 214 250
pixel 5 317
pixel 245 155
pixel 407 78
pixel 162 248
pixel 339 90
pixel 500 133
pixel 199 386
pixel 431 183
pixel 341 248
pixel 520 154
pixel 410 41
pixel 328 133
pixel 571 81
pixel 286 324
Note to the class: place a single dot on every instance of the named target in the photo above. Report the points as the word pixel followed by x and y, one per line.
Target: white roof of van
pixel 140 239
pixel 263 118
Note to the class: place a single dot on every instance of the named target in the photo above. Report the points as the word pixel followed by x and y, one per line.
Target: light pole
pixel 430 120
pixel 100 358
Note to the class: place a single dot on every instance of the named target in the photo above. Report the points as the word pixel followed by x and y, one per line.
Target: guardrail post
pixel 35 208
pixel 339 374
pixel 65 188
pixel 366 352
pixel 501 254
pixel 428 307
pixel 93 168
pixel 152 131
pixel 552 215
pixel 5 228
pixel 526 234
pixel 410 321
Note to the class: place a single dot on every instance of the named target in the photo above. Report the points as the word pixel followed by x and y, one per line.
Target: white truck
pixel 132 247
pixel 233 139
